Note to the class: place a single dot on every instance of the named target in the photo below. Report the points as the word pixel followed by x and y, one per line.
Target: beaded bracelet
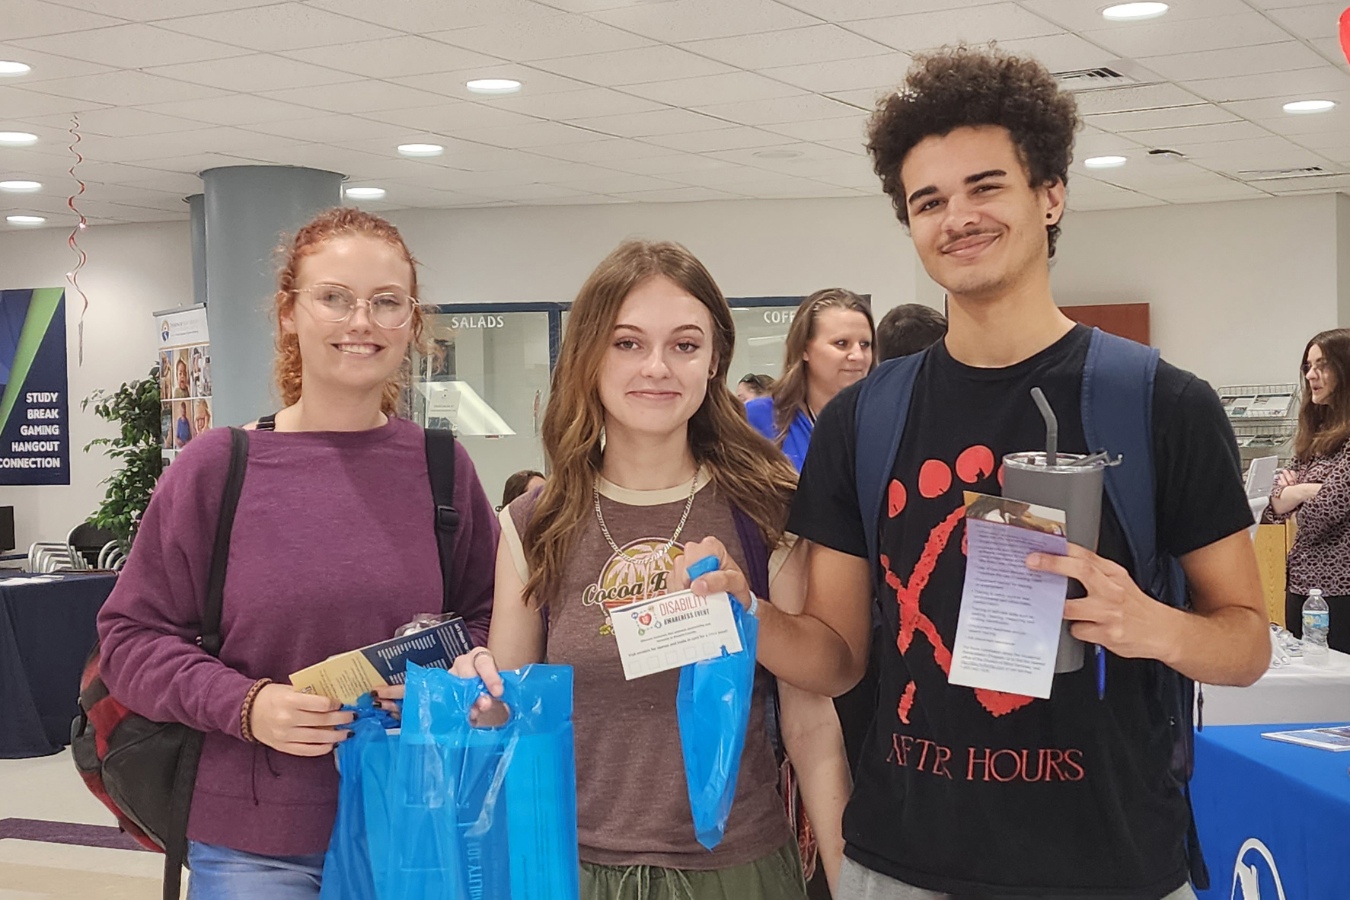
pixel 246 711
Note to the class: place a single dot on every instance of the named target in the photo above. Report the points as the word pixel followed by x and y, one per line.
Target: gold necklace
pixel 604 529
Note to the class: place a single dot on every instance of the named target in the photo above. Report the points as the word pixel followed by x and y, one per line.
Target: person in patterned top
pixel 1316 488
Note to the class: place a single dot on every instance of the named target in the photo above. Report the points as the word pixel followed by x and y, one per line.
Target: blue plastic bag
pixel 364 819
pixel 444 810
pixel 714 711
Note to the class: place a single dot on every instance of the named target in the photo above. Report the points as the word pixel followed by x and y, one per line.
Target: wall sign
pixel 34 414
pixel 184 377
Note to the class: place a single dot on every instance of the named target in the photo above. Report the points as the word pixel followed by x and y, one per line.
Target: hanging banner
pixel 184 377
pixel 34 416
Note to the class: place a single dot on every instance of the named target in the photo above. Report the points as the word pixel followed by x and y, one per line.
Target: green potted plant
pixel 135 407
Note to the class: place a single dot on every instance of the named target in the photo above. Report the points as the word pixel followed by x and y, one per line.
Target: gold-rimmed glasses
pixel 336 303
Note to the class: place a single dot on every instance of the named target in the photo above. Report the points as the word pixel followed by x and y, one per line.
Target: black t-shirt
pixel 979 793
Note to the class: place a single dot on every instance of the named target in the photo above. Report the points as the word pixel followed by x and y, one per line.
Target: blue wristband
pixel 753 609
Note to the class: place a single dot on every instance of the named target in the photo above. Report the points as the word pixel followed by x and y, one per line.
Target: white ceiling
pixel 629 100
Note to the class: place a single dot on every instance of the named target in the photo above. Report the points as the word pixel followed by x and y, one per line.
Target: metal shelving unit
pixel 1264 418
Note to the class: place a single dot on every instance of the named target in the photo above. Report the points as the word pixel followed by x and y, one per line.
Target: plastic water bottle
pixel 1316 622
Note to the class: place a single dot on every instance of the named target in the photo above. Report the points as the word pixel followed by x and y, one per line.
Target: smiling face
pixel 655 373
pixel 839 353
pixel 354 355
pixel 1319 375
pixel 978 225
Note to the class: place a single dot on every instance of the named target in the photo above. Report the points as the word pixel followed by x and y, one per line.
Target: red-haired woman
pixel 333 548
pixel 1316 488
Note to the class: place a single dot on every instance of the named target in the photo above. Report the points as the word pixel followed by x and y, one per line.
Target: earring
pixel 1049 215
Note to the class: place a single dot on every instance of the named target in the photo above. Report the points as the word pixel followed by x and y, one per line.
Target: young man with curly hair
pixel 977 793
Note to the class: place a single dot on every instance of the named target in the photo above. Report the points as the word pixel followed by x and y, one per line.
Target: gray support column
pixel 197 216
pixel 249 210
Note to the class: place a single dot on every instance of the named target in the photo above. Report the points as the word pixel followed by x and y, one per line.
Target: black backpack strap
pixel 185 775
pixel 441 470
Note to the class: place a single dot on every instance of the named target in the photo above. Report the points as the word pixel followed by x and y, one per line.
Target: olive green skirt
pixel 777 876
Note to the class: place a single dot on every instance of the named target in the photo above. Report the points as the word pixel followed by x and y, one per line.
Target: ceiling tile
pixel 324 129
pixel 1170 117
pixel 672 166
pixel 427 16
pixel 151 10
pixel 453 118
pixel 132 46
pixel 790 47
pixel 1134 97
pixel 974 25
pixel 648 124
pixel 1060 52
pixel 568 105
pixel 284 26
pixel 1161 37
pixel 125 88
pixel 693 20
pixel 452 84
pixel 882 72
pixel 1294 84
pixel 623 67
pixel 235 109
pixel 358 97
pixel 604 151
pixel 614 182
pixel 802 108
pixel 392 57
pixel 1218 191
pixel 123 122
pixel 47 66
pixel 541 36
pixel 1315 20
pixel 1185 138
pixel 254 72
pixel 838 129
pixel 34 18
pixel 721 139
pixel 534 134
pixel 1260 153
pixel 1234 61
pixel 1273 109
pixel 1075 15
pixel 17 104
pixel 733 86
pixel 677 195
pixel 848 10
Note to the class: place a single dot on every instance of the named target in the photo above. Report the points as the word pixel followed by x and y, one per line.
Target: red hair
pixel 334 223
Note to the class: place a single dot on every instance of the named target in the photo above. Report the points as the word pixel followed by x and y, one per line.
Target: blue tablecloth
pixel 46 633
pixel 1272 815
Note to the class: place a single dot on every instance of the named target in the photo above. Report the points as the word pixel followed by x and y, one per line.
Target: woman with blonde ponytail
pixel 648 450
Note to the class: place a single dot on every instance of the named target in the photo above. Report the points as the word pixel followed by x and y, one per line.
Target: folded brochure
pixel 346 676
pixel 1335 738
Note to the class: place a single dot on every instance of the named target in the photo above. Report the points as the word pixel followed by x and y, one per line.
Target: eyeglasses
pixel 1319 367
pixel 335 303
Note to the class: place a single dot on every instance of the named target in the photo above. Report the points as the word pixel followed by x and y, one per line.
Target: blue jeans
pixel 219 873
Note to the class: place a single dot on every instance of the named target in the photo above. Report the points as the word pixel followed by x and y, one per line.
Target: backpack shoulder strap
pixel 879 425
pixel 756 553
pixel 185 772
pixel 441 470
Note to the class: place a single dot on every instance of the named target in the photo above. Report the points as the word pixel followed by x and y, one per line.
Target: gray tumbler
pixel 1078 491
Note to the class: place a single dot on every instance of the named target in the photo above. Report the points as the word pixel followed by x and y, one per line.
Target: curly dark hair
pixel 970 86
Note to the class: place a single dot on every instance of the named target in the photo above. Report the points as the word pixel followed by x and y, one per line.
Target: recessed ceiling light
pixel 364 193
pixel 8 67
pixel 777 154
pixel 1133 12
pixel 20 187
pixel 1104 162
pixel 25 220
pixel 17 138
pixel 493 85
pixel 420 150
pixel 1303 107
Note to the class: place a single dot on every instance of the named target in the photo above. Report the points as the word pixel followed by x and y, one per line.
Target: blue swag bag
pixel 713 705
pixel 452 811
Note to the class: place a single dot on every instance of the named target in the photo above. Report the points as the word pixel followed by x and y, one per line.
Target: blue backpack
pixel 1117 412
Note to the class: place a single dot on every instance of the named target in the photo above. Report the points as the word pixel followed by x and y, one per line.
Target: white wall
pixel 132 271
pixel 1236 288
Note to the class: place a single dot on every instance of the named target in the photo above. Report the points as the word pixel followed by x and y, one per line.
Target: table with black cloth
pixel 1274 818
pixel 46 634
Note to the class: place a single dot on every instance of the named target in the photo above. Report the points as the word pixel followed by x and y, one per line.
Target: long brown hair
pixel 789 391
pixel 1324 428
pixel 335 223
pixel 744 467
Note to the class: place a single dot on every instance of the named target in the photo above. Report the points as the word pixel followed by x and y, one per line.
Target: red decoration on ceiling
pixel 72 241
pixel 1345 34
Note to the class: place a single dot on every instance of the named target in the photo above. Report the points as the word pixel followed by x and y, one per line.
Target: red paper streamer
pixel 80 256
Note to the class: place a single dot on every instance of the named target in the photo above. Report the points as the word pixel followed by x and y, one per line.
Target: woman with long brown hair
pixel 332 548
pixel 829 347
pixel 1316 488
pixel 647 448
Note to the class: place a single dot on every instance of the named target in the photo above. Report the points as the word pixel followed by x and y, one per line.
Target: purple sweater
pixel 333 548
